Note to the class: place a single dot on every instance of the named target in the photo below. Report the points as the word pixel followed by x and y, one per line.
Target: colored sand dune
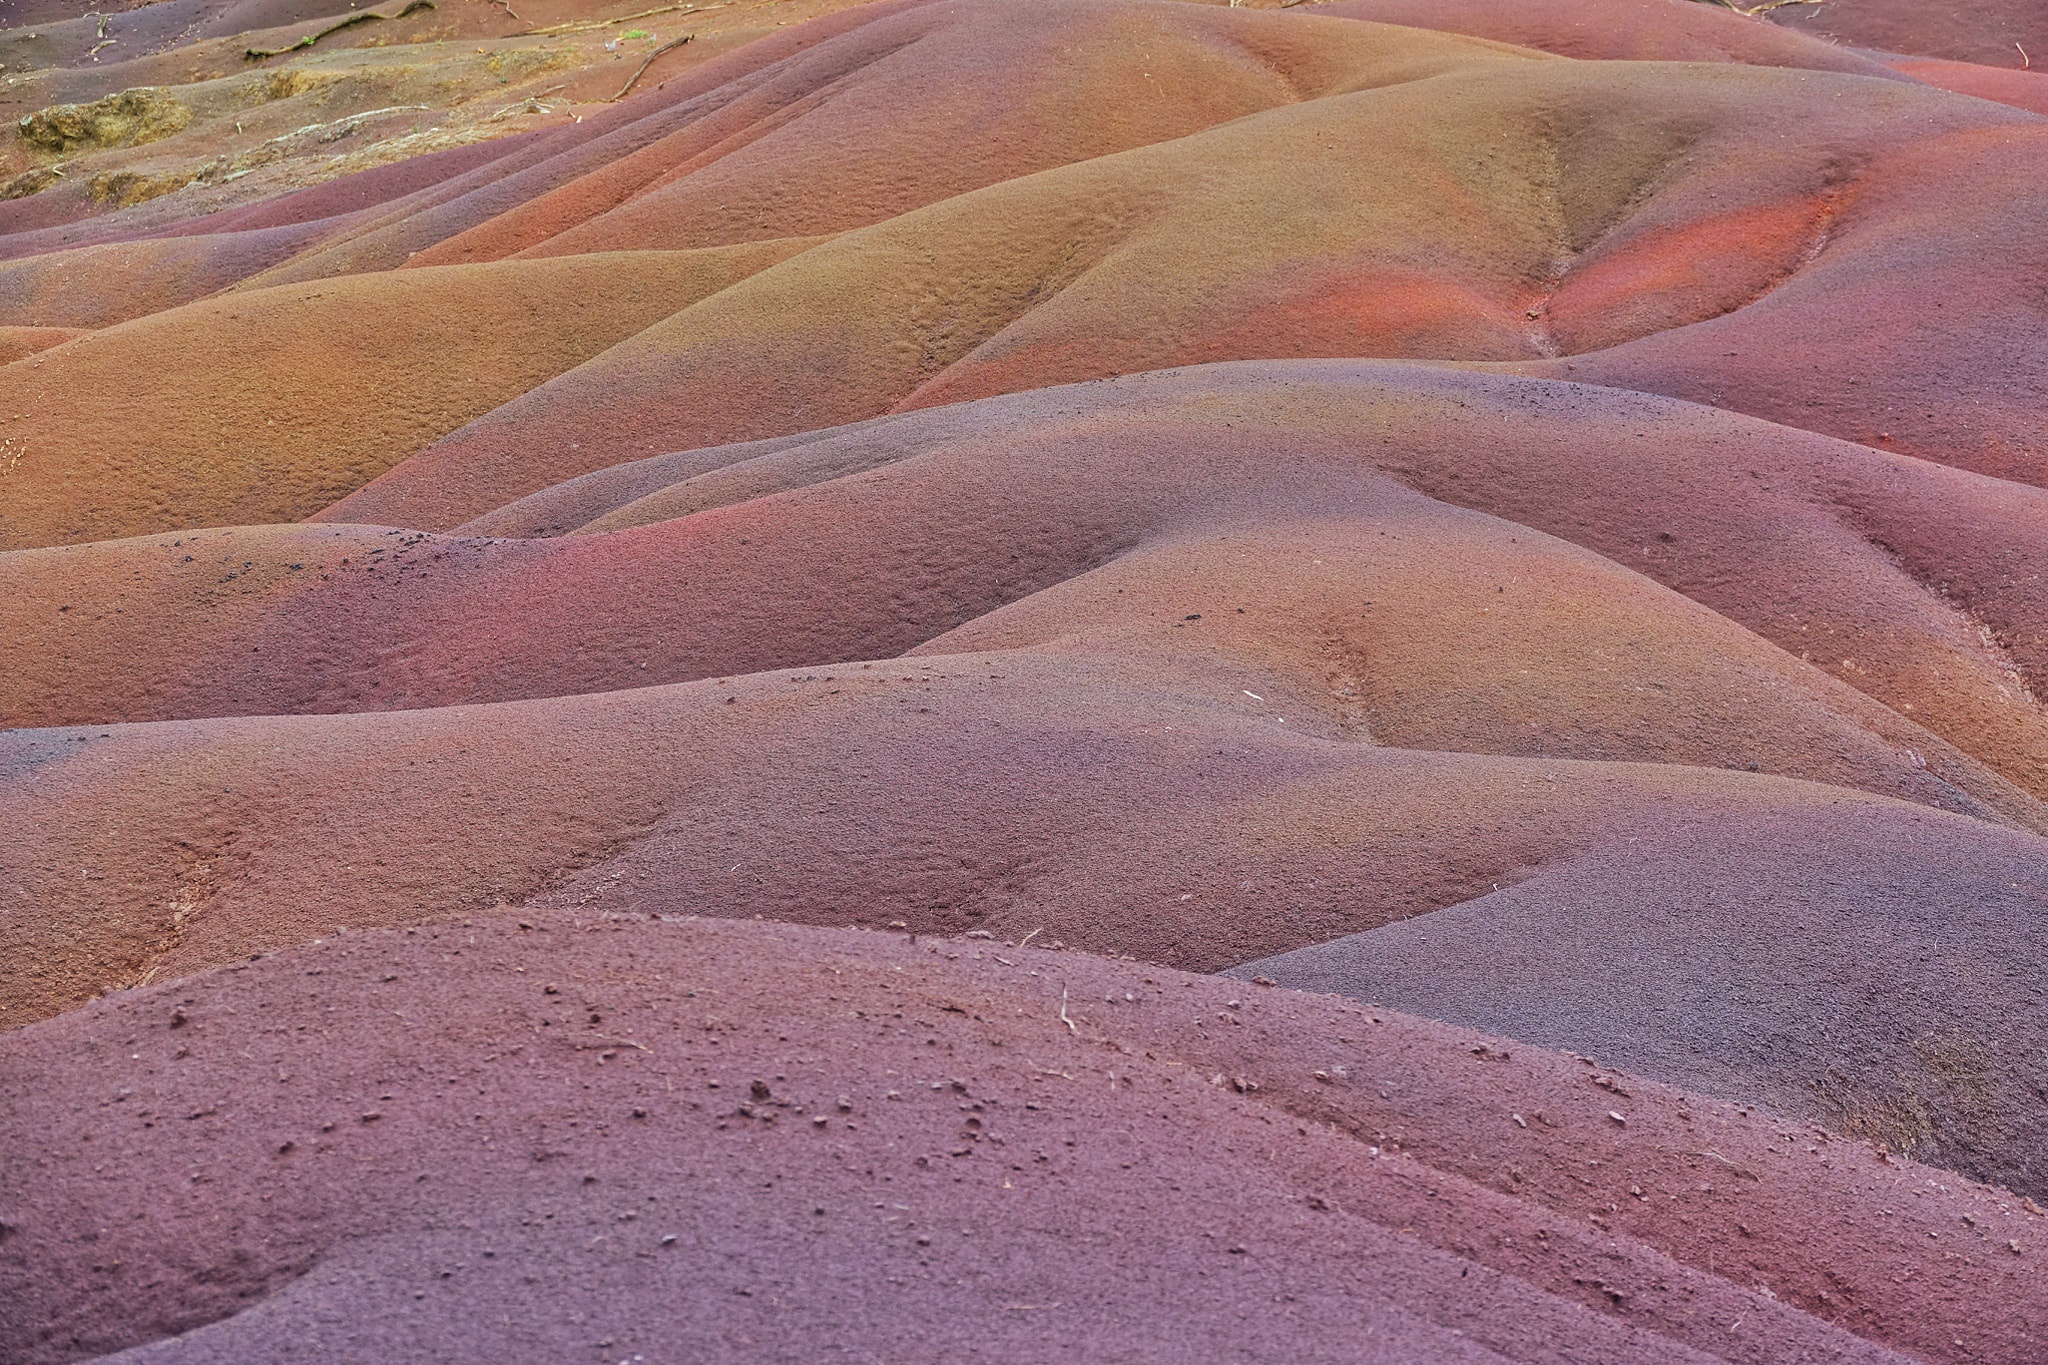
pixel 1023 679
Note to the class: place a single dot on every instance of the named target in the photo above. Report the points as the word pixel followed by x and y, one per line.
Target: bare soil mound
pixel 560 1139
pixel 1503 218
pixel 637 642
pixel 1198 823
pixel 1264 514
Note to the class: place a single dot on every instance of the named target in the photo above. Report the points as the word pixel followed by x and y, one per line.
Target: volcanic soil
pixel 1023 679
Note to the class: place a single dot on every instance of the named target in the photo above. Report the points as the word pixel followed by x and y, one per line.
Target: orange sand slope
pixel 1503 215
pixel 622 713
pixel 1275 506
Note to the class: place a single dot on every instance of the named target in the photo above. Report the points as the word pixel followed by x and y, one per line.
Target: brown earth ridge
pixel 1132 680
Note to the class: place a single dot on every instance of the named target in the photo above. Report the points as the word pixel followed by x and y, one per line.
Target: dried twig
pixel 353 121
pixel 586 25
pixel 1063 1013
pixel 2026 62
pixel 634 79
pixel 1752 11
pixel 532 104
pixel 258 53
pixel 1739 1170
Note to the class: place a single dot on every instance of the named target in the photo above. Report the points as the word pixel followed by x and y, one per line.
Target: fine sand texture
pixel 1023 680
